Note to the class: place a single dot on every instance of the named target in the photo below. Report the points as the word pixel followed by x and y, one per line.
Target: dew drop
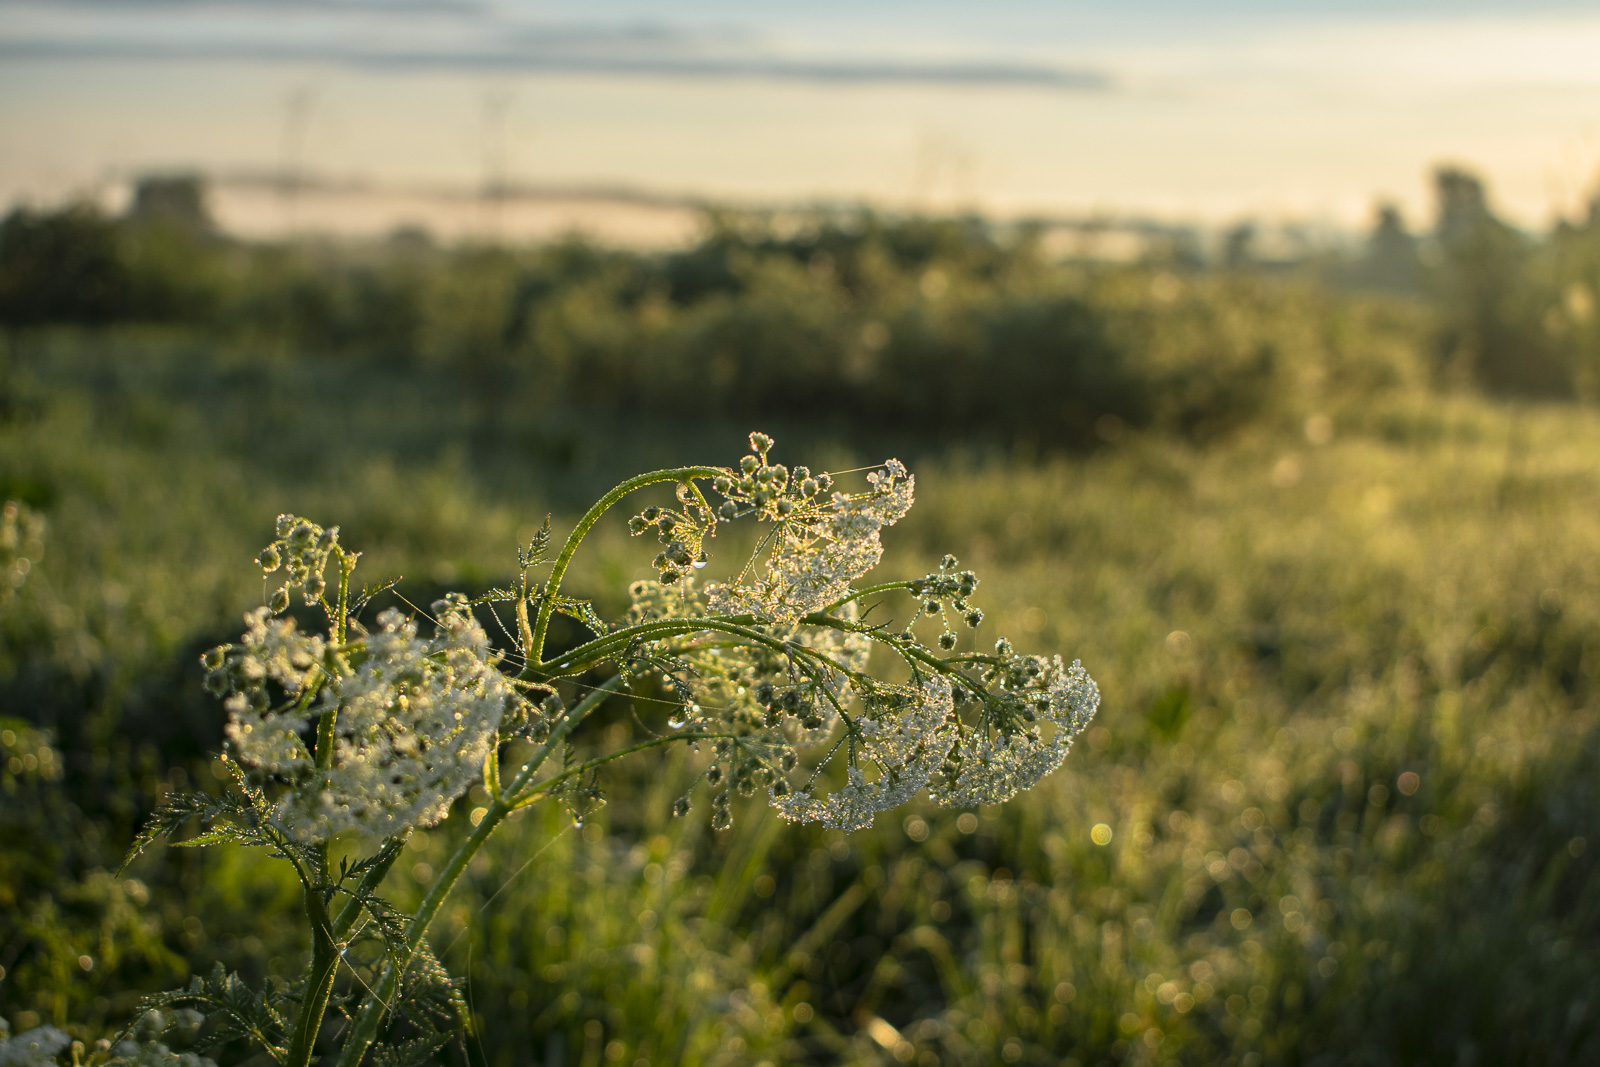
pixel 678 723
pixel 699 564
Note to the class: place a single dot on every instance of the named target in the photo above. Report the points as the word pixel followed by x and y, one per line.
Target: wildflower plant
pixel 791 678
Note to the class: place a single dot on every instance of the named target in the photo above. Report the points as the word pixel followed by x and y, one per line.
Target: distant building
pixel 172 199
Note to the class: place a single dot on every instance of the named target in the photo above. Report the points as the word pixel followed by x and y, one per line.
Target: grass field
pixel 1349 652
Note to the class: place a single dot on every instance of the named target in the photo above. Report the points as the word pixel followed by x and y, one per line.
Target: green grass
pixel 1283 633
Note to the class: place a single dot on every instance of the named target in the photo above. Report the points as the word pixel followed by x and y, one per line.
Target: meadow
pixel 1343 606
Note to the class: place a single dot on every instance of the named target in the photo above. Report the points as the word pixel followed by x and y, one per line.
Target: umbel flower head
pixel 780 675
pixel 413 719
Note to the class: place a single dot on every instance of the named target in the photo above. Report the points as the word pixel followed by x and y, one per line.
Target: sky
pixel 1307 112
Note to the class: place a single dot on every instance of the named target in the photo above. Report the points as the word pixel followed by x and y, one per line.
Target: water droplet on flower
pixel 699 564
pixel 678 722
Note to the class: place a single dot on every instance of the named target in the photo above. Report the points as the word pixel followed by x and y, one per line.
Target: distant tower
pixel 291 170
pixel 1463 205
pixel 496 163
pixel 1391 259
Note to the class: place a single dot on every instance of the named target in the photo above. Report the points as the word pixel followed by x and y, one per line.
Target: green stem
pixel 366 1027
pixel 324 952
pixel 319 983
pixel 885 587
pixel 535 650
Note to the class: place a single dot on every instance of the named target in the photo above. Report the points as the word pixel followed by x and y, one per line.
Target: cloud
pixel 374 7
pixel 545 59
pixel 476 35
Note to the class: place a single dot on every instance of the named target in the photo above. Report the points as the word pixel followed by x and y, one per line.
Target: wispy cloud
pixel 467 35
pixel 557 62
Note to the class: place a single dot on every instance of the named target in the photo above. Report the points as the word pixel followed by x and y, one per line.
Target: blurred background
pixel 1251 357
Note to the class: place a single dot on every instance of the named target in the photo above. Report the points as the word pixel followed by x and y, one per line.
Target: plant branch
pixel 372 1012
pixel 535 651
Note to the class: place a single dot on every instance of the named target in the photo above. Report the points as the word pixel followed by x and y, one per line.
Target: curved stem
pixel 587 655
pixel 366 1026
pixel 884 587
pixel 535 650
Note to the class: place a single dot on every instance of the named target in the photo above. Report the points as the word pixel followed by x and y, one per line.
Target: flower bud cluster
pixel 301 549
pixel 946 589
pixel 822 542
pixel 768 490
pixel 682 532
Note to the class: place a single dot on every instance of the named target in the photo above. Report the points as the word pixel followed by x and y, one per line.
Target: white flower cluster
pixel 900 737
pixel 38 1047
pixel 821 547
pixel 156 1054
pixel 990 765
pixel 414 719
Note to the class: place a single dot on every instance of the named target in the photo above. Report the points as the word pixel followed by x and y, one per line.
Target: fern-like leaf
pixel 237 1011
